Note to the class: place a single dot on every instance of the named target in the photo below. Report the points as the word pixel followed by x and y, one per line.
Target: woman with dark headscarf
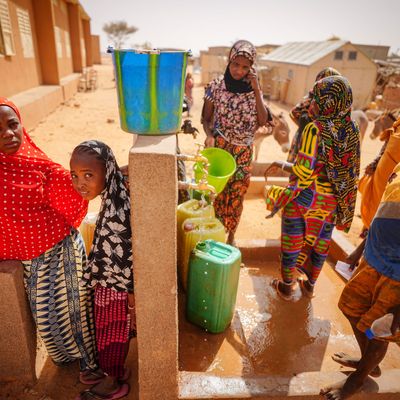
pixel 233 110
pixel 299 113
pixel 39 214
pixel 322 188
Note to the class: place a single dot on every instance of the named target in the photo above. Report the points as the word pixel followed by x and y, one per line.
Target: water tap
pixel 188 128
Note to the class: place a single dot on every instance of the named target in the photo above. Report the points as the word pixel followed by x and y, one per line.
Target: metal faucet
pixel 193 157
pixel 196 158
pixel 202 185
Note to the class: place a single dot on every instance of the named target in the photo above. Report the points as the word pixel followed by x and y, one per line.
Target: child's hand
pixel 125 172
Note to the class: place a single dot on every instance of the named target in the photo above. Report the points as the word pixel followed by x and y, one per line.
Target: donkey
pixel 384 121
pixel 280 132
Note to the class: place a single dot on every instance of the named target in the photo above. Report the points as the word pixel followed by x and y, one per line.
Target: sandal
pixel 88 394
pixel 89 377
pixel 275 284
pixel 304 289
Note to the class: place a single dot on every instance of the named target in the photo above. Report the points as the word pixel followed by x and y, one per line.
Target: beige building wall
pixel 62 37
pixel 96 49
pixel 212 65
pixel 19 63
pixel 288 82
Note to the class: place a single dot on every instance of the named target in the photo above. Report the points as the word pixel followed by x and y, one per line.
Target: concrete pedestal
pixel 153 186
pixel 17 332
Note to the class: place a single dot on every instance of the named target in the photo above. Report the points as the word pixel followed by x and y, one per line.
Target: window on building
pixel 25 32
pixel 67 44
pixel 59 46
pixel 6 36
pixel 338 55
pixel 290 74
pixel 352 55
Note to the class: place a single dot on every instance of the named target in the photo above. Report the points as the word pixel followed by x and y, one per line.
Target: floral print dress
pixel 235 122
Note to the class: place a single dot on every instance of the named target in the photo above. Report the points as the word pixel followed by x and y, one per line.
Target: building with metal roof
pixel 294 66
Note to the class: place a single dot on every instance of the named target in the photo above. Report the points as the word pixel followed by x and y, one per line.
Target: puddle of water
pixel 271 336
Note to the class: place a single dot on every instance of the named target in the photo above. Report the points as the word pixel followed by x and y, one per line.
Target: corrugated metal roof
pixel 304 53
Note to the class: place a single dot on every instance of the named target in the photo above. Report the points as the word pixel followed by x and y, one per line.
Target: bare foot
pixel 283 289
pixel 351 362
pixel 344 389
pixel 306 288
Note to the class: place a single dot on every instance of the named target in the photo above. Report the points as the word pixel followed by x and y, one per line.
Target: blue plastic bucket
pixel 150 87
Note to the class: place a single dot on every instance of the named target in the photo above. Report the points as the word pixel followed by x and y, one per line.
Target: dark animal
pixel 280 132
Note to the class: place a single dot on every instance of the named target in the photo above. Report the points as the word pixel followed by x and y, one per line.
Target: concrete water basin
pixel 275 348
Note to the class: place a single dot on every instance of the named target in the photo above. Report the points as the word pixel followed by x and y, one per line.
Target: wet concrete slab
pixel 270 338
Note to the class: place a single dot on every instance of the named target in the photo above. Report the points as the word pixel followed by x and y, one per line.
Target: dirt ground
pixel 94 115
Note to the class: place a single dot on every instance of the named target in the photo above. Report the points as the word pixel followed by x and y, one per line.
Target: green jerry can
pixel 213 281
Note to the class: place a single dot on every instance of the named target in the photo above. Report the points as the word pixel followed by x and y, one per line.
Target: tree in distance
pixel 118 32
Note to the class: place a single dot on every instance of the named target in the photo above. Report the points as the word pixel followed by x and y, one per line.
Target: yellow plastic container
pixel 193 209
pixel 87 228
pixel 195 230
pixel 190 209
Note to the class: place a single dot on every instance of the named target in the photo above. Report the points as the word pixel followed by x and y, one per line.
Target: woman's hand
pixel 354 258
pixel 210 141
pixel 278 165
pixel 125 173
pixel 253 79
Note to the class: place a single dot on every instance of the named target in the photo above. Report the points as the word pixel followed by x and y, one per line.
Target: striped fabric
pixel 61 308
pixel 112 329
pixel 307 225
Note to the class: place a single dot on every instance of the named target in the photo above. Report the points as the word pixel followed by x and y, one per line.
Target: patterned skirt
pixel 229 204
pixel 307 226
pixel 112 321
pixel 61 308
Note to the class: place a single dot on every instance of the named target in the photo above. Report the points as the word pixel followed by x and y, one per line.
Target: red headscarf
pixel 38 203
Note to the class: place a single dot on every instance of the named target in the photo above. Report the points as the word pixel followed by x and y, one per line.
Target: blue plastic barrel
pixel 150 87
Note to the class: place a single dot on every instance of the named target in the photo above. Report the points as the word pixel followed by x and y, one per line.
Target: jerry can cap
pixel 201 246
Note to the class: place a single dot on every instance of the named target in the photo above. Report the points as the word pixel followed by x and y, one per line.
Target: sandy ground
pixel 94 115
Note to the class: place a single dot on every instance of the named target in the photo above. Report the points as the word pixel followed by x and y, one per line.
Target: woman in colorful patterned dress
pixel 299 113
pixel 233 110
pixel 95 172
pixel 322 187
pixel 39 214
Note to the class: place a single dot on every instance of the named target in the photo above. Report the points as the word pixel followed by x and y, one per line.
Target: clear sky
pixel 196 25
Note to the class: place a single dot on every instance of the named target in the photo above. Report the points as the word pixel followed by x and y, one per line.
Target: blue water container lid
pixel 369 334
